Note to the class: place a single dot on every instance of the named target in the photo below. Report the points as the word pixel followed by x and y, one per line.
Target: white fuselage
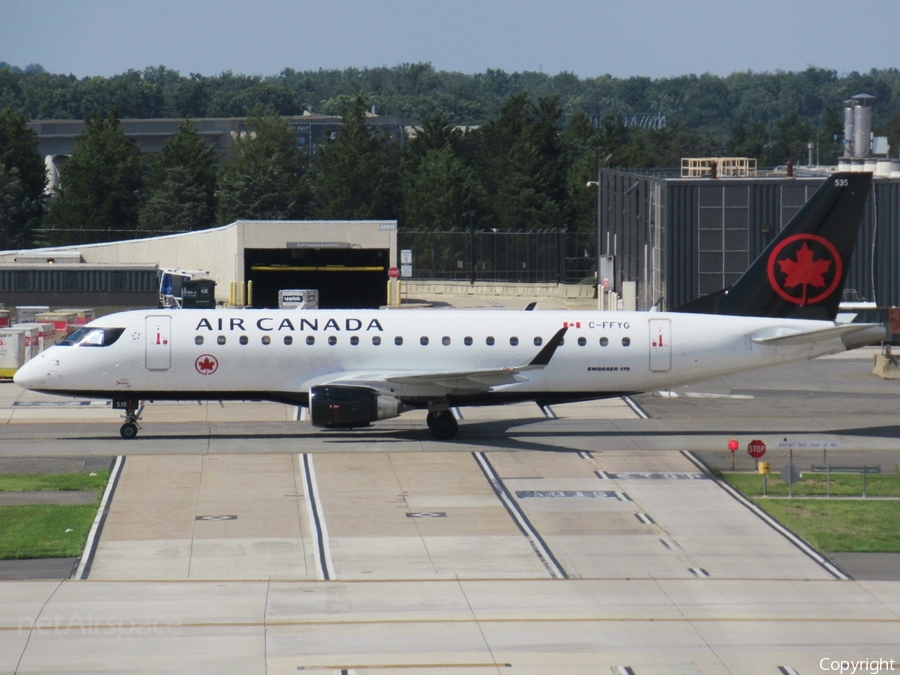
pixel 195 354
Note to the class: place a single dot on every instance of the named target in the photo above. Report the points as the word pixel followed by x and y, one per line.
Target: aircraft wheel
pixel 429 420
pixel 128 431
pixel 443 426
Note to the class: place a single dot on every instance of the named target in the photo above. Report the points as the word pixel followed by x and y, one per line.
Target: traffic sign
pixel 789 474
pixel 394 273
pixel 733 445
pixel 756 449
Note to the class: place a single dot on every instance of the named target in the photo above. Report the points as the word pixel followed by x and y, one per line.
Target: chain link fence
pixel 540 256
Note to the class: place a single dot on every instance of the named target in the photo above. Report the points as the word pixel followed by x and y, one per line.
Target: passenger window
pixel 513 341
pixel 198 340
pixel 423 340
pixel 288 340
pixel 243 339
pixel 489 341
pixel 398 340
pixel 376 340
pixel 310 339
pixel 604 341
pixel 538 341
pixel 266 339
pixel 221 339
pixel 582 341
pixel 332 340
pixel 467 341
pixel 626 341
pixel 354 340
pixel 445 341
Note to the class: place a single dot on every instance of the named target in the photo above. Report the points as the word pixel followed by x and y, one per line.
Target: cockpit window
pixel 93 337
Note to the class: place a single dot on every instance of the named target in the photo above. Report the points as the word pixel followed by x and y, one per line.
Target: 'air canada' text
pixel 269 324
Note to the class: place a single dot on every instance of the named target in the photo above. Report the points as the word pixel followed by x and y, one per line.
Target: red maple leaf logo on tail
pixel 804 271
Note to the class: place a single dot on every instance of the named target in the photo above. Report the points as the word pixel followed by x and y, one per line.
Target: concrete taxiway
pixel 239 540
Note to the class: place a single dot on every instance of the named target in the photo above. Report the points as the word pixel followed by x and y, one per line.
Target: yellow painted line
pixel 398 666
pixel 313 268
pixel 469 620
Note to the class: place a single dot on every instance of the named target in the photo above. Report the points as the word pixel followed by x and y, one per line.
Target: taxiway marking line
pixel 758 511
pixel 540 547
pixel 324 563
pixel 90 547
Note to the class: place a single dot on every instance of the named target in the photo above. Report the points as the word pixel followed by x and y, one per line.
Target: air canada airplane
pixel 352 368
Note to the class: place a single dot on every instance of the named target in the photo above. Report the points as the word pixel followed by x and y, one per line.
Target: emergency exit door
pixel 660 345
pixel 157 341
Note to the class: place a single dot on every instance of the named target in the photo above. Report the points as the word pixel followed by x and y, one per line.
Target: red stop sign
pixel 756 449
pixel 393 273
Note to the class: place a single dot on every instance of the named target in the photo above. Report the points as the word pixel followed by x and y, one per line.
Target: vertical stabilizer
pixel 801 274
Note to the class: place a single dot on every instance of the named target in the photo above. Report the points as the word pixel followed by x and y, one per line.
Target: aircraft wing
pixel 786 336
pixel 480 379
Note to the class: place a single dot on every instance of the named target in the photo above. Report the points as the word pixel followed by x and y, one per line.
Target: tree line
pixel 708 103
pixel 521 162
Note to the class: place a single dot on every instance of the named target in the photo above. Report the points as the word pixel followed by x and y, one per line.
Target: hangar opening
pixel 346 277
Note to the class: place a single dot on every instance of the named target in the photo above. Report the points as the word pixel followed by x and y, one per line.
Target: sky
pixel 590 38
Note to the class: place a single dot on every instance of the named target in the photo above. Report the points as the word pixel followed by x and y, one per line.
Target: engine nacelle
pixel 336 407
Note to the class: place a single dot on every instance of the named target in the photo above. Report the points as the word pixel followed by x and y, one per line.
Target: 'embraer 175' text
pixel 271 324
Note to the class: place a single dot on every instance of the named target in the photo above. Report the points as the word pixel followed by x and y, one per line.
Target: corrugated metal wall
pixel 128 281
pixel 713 230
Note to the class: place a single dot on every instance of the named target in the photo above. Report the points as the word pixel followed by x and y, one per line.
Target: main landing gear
pixel 442 424
pixel 133 409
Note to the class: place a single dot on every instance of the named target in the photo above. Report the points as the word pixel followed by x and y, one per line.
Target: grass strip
pixel 840 525
pixel 30 482
pixel 832 525
pixel 816 484
pixel 41 531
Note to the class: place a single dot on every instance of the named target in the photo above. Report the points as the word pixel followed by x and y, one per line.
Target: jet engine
pixel 335 407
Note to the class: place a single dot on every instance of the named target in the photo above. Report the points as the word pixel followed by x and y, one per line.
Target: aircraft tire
pixel 429 420
pixel 444 426
pixel 128 431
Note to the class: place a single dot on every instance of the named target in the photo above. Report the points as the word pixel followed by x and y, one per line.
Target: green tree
pixel 264 176
pixel 522 164
pixel 22 180
pixel 436 190
pixel 356 172
pixel 99 187
pixel 180 191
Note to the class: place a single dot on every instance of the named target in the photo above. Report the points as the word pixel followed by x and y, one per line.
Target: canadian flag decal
pixel 571 324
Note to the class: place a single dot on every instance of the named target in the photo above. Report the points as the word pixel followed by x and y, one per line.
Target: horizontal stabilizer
pixel 785 336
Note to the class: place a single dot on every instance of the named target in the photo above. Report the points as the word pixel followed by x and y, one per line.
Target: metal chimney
pixel 849 105
pixel 862 125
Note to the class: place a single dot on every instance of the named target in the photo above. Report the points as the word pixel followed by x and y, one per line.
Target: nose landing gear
pixel 133 409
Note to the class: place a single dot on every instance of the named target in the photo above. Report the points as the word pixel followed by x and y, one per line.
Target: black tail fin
pixel 801 274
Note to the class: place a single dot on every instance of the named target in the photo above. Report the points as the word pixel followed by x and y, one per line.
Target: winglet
pixel 544 356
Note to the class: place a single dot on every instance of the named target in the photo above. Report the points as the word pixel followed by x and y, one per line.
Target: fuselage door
pixel 158 342
pixel 660 345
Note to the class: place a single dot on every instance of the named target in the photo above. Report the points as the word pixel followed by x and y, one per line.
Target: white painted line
pixel 512 507
pixel 823 562
pixel 698 394
pixel 602 475
pixel 585 455
pixel 635 408
pixel 457 413
pixel 644 518
pixel 787 670
pixel 90 547
pixel 301 413
pixel 622 670
pixel 667 393
pixel 322 548
pixel 698 572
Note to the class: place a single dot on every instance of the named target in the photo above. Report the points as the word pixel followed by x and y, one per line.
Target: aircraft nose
pixel 32 374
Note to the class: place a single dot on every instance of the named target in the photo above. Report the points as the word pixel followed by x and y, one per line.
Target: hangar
pixel 346 261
